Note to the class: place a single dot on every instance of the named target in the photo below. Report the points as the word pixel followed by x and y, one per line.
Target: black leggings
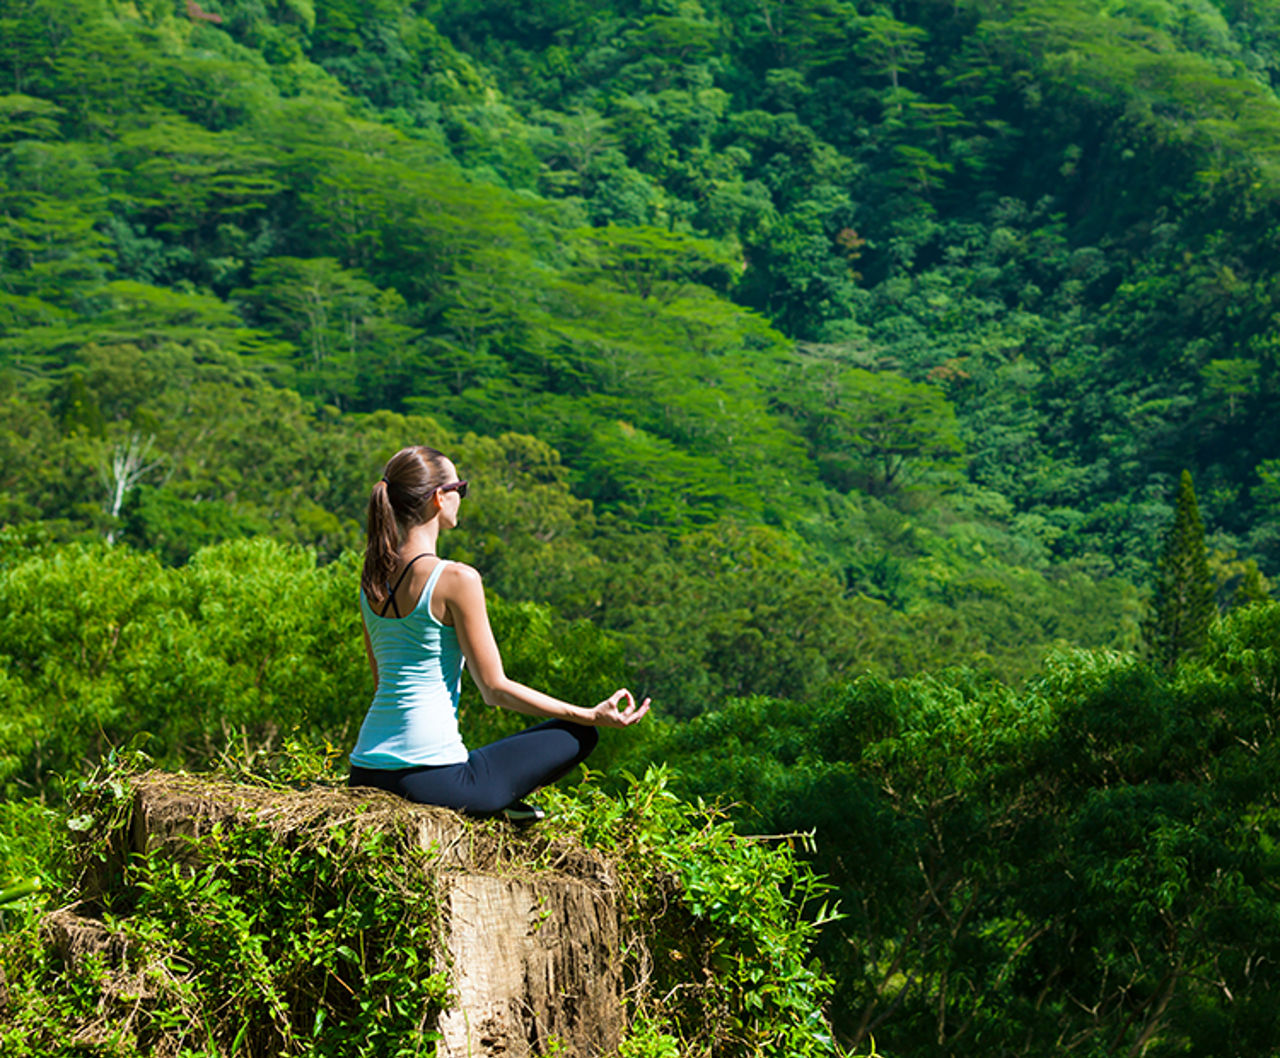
pixel 492 776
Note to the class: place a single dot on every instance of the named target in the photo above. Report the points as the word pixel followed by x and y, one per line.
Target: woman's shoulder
pixel 460 591
pixel 454 568
pixel 459 575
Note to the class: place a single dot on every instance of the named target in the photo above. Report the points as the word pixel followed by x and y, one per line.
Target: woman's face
pixel 449 501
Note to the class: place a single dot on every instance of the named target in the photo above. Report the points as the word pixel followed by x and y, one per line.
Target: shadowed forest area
pixel 892 391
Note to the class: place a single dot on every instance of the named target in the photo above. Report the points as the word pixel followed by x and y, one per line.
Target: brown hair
pixel 398 502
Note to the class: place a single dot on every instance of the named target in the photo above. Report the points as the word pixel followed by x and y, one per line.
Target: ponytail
pixel 397 502
pixel 382 545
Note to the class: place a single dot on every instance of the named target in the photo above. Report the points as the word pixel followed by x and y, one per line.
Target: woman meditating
pixel 423 617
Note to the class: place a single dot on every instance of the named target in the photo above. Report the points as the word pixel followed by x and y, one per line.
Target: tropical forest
pixel 889 389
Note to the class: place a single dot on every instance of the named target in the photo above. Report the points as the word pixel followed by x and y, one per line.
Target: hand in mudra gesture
pixel 613 713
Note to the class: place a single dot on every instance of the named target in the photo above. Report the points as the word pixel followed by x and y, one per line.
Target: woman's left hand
pixel 613 713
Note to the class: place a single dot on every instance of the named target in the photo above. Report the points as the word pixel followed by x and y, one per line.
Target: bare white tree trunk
pixel 121 474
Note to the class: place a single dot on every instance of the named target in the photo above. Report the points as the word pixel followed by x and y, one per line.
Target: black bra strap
pixel 391 596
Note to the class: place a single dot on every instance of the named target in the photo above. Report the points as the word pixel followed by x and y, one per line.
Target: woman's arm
pixel 463 594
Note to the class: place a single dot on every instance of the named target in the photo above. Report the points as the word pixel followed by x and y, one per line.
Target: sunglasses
pixel 460 487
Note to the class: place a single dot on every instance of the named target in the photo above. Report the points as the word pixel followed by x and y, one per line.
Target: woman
pixel 423 617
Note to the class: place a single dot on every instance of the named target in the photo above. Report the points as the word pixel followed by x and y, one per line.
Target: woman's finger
pixel 614 714
pixel 634 712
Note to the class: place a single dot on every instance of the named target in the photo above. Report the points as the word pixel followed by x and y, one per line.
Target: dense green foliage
pixel 1090 859
pixel 1059 213
pixel 793 350
pixel 728 264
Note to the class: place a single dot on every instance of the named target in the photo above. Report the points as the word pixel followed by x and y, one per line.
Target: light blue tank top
pixel 414 716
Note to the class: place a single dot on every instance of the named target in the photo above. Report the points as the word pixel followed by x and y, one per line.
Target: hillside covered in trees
pixel 821 366
pixel 866 319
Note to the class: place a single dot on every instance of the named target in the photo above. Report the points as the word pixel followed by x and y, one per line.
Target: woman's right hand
pixel 613 713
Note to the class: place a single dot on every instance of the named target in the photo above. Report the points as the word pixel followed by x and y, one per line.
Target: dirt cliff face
pixel 529 945
pixel 534 960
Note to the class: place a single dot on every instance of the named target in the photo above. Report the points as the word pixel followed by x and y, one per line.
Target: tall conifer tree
pixel 1178 622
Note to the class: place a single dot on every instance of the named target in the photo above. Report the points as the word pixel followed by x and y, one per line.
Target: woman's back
pixel 413 719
